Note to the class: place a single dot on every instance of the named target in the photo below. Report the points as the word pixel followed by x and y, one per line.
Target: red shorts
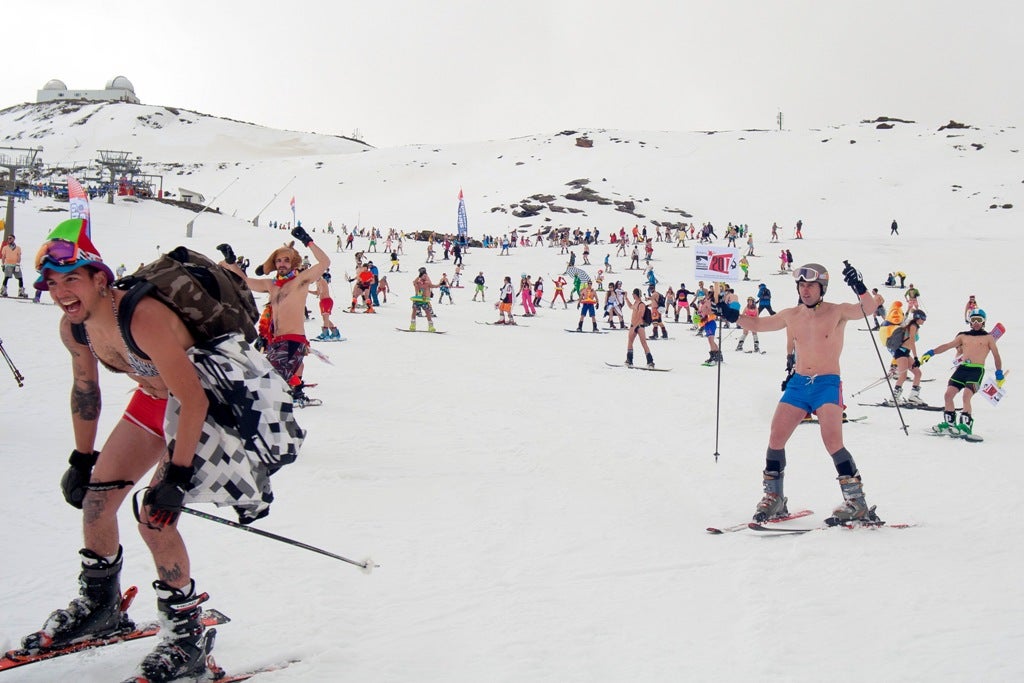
pixel 326 305
pixel 147 412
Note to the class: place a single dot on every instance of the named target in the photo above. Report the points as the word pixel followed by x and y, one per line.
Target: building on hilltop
pixel 118 89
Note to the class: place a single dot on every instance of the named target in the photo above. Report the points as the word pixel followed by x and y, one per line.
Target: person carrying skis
pixel 815 329
pixel 973 347
pixel 183 447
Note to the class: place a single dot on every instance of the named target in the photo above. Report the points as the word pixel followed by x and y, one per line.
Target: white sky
pixel 405 71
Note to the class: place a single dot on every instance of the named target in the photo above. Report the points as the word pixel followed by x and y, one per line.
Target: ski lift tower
pixel 14 159
pixel 119 164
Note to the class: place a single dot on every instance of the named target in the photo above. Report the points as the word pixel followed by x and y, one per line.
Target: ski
pixel 406 329
pixel 905 406
pixel 332 339
pixel 814 421
pixel 972 438
pixel 851 526
pixel 744 525
pixel 15 658
pixel 481 322
pixel 587 331
pixel 637 367
pixel 321 355
pixel 756 351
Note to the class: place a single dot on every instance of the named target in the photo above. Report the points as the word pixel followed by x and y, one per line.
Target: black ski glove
pixel 790 369
pixel 259 270
pixel 167 497
pixel 299 233
pixel 75 481
pixel 853 278
pixel 229 253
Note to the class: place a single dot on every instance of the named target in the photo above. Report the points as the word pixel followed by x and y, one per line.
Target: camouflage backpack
pixel 210 300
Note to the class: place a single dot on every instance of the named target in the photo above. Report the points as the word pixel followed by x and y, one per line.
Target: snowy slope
pixel 73 131
pixel 538 516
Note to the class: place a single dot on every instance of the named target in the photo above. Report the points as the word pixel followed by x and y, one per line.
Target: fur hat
pixel 287 250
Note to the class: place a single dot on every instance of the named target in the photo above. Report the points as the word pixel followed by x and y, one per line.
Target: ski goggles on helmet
pixel 977 319
pixel 57 252
pixel 806 274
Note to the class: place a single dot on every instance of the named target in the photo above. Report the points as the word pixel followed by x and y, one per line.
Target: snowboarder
pixel 973 346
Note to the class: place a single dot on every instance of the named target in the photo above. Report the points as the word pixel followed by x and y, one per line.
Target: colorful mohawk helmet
pixel 67 248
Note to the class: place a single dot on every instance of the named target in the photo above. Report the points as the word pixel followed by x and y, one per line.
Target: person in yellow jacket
pixel 893 319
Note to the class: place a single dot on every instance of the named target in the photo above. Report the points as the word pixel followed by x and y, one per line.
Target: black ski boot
pixel 97 612
pixel 182 653
pixel 650 361
pixel 629 359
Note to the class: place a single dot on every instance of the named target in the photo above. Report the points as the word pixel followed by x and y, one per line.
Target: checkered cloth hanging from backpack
pixel 250 430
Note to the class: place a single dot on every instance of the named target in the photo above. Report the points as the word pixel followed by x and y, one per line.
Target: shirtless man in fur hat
pixel 287 289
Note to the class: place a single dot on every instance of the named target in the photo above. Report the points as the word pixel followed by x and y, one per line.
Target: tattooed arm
pixel 85 390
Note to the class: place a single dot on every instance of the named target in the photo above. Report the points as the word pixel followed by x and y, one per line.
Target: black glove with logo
pixel 229 253
pixel 75 481
pixel 167 497
pixel 299 233
pixel 790 369
pixel 853 278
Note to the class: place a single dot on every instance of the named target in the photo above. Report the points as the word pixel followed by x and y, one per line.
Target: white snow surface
pixel 537 515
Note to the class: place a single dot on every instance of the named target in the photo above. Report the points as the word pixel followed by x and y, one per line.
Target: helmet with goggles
pixel 812 272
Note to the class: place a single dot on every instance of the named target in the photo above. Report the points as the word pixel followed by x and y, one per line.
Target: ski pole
pixel 18 377
pixel 366 565
pixel 718 385
pixel 870 386
pixel 887 378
